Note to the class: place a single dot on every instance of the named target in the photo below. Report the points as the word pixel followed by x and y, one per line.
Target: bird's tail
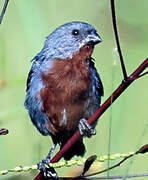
pixel 77 149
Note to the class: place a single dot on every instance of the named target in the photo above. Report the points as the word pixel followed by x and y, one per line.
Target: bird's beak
pixel 93 39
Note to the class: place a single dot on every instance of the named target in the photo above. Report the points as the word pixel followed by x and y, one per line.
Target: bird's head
pixel 69 38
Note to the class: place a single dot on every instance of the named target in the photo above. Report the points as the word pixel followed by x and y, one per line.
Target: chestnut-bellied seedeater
pixel 63 87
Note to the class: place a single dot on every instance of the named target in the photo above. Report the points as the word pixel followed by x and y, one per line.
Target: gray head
pixel 68 39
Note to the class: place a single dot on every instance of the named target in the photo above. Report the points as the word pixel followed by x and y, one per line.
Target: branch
pixel 103 108
pixel 117 177
pixel 117 38
pixel 121 88
pixel 4 10
pixel 143 74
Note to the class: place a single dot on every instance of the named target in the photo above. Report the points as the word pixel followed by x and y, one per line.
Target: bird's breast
pixel 67 85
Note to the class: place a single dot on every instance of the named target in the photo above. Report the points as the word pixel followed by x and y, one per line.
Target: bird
pixel 64 88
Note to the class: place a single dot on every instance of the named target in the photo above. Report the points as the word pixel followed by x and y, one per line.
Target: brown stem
pixel 112 167
pixel 116 177
pixel 4 10
pixel 112 3
pixel 100 111
pixel 143 74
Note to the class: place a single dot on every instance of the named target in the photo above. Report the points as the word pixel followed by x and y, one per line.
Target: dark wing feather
pixel 29 79
pixel 96 79
pixel 38 58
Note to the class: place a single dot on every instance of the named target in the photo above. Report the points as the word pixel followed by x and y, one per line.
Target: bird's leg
pixel 50 152
pixel 85 129
pixel 44 166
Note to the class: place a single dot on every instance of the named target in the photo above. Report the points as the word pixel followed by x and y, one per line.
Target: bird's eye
pixel 75 32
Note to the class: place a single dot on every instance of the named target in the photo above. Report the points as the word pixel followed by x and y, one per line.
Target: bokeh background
pixel 22 33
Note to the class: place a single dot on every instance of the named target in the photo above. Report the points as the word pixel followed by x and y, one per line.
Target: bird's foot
pixel 46 169
pixel 85 128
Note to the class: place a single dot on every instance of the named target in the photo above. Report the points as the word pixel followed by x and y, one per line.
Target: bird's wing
pixel 37 60
pixel 33 102
pixel 96 81
pixel 29 79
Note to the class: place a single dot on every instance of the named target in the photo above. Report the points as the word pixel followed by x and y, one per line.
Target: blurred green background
pixel 22 34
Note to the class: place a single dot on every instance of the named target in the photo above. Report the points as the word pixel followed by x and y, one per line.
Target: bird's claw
pixel 85 128
pixel 46 169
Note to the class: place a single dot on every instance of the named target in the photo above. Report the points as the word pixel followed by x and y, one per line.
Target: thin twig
pixel 112 167
pixel 117 38
pixel 142 150
pixel 119 177
pixel 143 74
pixel 4 10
